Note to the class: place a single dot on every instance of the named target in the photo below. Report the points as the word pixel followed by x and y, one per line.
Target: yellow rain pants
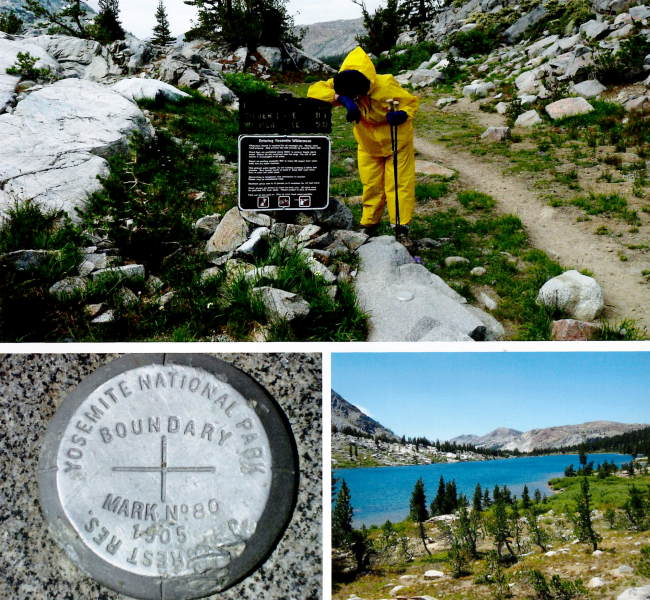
pixel 375 155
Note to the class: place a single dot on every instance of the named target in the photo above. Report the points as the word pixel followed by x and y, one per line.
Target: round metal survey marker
pixel 168 476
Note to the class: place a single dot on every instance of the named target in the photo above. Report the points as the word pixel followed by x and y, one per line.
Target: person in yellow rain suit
pixel 364 94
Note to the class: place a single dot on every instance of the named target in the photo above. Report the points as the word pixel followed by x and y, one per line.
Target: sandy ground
pixel 554 231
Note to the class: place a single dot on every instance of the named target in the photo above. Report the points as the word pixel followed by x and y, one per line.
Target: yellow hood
pixel 358 60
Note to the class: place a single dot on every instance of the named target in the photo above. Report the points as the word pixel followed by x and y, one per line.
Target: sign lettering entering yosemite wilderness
pixel 168 476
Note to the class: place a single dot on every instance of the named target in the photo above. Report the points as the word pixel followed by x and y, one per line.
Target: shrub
pixel 411 59
pixel 555 589
pixel 25 67
pixel 513 111
pixel 475 41
pixel 247 87
pixel 624 66
pixel 382 27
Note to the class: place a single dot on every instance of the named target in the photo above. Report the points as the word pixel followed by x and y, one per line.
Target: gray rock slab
pixel 522 24
pixel 32 564
pixel 594 30
pixel 56 143
pixel 137 88
pixel 124 272
pixel 494 331
pixel 24 260
pixel 352 239
pixel 639 593
pixel 431 313
pixel 254 243
pixel 206 226
pixel 496 134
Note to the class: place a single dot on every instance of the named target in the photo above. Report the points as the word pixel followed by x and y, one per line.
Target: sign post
pixel 279 170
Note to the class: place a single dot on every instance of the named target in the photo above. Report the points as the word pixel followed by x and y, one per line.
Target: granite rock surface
pixel 34 567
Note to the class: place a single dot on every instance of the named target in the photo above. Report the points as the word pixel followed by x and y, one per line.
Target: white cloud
pixel 365 411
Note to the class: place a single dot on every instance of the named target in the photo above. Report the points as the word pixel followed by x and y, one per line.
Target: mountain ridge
pixel 331 38
pixel 556 437
pixel 346 414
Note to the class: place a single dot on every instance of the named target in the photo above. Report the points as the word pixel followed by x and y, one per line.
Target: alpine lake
pixel 383 493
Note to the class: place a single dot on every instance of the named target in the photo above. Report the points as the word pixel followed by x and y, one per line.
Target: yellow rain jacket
pixel 375 155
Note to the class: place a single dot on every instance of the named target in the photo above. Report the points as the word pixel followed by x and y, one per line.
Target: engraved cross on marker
pixel 164 469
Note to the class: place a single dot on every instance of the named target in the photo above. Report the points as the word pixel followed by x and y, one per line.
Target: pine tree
pixel 342 518
pixel 418 508
pixel 71 20
pixel 584 528
pixel 636 509
pixel 107 28
pixel 439 500
pixel 10 22
pixel 537 496
pixel 582 455
pixel 515 519
pixel 161 32
pixel 486 499
pixel 477 500
pixel 525 499
pixel 538 535
pixel 500 527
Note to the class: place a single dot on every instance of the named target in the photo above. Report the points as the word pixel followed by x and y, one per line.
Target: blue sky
pixel 137 16
pixel 442 395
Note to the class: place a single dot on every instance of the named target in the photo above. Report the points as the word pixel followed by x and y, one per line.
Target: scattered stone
pixel 481 90
pixel 487 301
pixel 257 218
pixel 596 582
pixel 408 578
pixel 268 272
pixel 336 216
pixel 308 233
pixel 126 296
pixel 433 575
pixel 494 331
pixel 256 240
pixel 590 88
pixel 69 286
pixel 478 271
pixel 352 239
pixel 442 102
pixel 206 226
pixel 429 168
pixel 597 553
pixel 278 230
pixel 451 261
pixel 550 553
pixel 99 261
pixel 568 107
pixel 107 317
pixel 502 107
pixel 154 284
pixel 622 571
pixel 496 134
pixel 281 304
pixel 640 593
pixel 594 30
pixel 92 310
pixel 166 298
pixel 528 119
pixel 125 272
pixel 577 294
pixel 397 589
pixel 323 241
pixel 570 330
pixel 86 268
pixel 24 260
pixel 230 234
pixel 337 248
pixel 319 269
pixel 210 273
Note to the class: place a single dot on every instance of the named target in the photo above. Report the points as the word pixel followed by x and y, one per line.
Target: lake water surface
pixel 383 493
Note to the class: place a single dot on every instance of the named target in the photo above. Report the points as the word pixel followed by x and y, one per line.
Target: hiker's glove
pixel 396 117
pixel 354 114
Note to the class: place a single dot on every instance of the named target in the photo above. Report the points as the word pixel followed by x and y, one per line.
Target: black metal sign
pixel 284 172
pixel 284 115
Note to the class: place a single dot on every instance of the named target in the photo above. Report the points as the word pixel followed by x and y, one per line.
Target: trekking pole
pixel 392 107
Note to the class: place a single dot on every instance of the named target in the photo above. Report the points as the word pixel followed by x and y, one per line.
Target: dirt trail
pixel 553 231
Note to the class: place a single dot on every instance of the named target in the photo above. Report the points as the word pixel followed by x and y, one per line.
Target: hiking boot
pixel 372 230
pixel 401 232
